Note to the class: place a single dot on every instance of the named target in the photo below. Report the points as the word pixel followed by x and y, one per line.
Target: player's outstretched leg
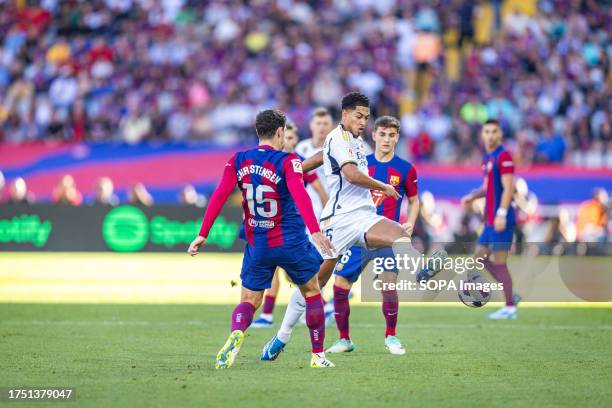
pixel 500 272
pixel 342 289
pixel 387 233
pixel 242 316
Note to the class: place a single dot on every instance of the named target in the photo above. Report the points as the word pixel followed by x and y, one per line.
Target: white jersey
pixel 307 149
pixel 342 147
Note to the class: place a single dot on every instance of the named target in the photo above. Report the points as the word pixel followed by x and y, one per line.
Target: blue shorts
pixel 497 241
pixel 353 261
pixel 301 262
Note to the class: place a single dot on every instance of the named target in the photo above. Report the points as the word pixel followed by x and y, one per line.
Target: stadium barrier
pixel 126 228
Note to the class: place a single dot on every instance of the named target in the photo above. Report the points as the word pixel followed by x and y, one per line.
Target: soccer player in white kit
pixel 349 218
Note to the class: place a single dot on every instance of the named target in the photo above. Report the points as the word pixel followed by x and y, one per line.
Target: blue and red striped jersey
pixel 271 217
pixel 398 172
pixel 494 165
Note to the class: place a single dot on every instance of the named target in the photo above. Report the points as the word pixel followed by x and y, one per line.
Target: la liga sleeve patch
pixel 297 165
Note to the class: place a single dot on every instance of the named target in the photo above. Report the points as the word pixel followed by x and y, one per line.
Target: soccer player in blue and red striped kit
pixel 277 209
pixel 266 318
pixel 499 217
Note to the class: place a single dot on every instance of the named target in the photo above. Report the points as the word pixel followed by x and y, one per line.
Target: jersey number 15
pixel 258 200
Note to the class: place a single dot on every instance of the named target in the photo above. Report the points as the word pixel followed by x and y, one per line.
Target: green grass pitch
pixel 163 355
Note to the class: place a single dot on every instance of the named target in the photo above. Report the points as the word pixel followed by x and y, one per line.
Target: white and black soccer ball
pixel 474 297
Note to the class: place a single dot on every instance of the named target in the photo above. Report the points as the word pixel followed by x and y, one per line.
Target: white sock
pixel 409 256
pixel 267 316
pixel 295 309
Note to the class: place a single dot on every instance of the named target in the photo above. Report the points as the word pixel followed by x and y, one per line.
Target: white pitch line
pixel 484 325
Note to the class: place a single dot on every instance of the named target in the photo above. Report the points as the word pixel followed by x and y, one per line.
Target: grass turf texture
pixel 163 355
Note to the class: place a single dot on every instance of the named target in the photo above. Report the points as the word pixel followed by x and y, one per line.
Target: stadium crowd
pixel 179 70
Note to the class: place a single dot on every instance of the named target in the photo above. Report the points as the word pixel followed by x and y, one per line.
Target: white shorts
pixel 348 229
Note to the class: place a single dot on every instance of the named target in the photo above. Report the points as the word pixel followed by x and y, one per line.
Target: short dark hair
pixel 491 122
pixel 268 121
pixel 386 122
pixel 354 99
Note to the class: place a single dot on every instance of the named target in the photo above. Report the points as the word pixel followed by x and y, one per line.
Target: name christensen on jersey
pixel 340 148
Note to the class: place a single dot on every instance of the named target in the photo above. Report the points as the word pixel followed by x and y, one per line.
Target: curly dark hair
pixel 354 99
pixel 268 121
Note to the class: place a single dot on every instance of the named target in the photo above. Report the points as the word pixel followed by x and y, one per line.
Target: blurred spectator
pixel 105 192
pixel 135 127
pixel 66 192
pixel 18 192
pixel 592 218
pixel 190 196
pixel 421 146
pixel 551 148
pixel 2 181
pixel 139 194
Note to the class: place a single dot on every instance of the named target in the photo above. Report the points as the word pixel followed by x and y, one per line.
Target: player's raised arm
pixel 354 176
pixel 313 162
pixel 217 200
pixel 292 168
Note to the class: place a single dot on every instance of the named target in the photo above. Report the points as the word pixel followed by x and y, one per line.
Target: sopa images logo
pixel 125 229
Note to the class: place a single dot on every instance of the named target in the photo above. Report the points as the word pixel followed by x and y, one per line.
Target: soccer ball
pixel 474 297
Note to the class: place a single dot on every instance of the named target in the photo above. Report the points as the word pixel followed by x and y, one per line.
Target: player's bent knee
pixel 253 297
pixel 310 288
